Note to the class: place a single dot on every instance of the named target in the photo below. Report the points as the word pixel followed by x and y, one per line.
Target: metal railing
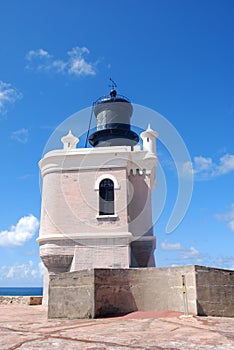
pixel 108 98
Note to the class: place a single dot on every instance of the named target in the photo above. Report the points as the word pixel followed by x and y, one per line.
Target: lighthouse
pixel 96 209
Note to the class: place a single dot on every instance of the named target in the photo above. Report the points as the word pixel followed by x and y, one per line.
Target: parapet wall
pixel 215 291
pixel 26 300
pixel 72 295
pixel 108 292
pixel 143 289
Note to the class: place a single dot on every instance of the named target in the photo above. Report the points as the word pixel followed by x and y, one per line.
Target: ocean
pixel 18 291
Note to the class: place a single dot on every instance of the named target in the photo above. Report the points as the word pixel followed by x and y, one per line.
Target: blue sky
pixel 175 57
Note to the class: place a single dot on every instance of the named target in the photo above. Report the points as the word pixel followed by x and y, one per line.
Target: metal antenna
pixel 113 84
pixel 90 121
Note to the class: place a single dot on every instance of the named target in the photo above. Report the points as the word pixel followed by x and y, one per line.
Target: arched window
pixel 106 197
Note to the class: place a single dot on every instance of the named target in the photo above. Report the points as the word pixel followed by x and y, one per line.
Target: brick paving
pixel 27 328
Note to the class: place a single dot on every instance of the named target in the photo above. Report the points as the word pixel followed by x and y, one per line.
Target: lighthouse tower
pixel 96 202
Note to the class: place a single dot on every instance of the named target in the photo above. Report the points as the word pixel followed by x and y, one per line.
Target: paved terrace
pixel 26 327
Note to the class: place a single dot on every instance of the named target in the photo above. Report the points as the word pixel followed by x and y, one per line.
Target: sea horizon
pixel 21 291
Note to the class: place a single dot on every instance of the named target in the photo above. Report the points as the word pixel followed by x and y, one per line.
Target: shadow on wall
pixel 120 302
pixel 200 310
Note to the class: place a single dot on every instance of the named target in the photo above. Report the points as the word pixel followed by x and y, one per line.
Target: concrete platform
pixel 26 327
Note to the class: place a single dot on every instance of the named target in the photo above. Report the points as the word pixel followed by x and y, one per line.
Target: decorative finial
pixel 113 92
pixel 69 141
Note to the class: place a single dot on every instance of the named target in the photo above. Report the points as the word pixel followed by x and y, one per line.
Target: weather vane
pixel 113 84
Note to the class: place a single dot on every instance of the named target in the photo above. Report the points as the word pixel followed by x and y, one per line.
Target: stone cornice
pixel 83 236
pixel 136 161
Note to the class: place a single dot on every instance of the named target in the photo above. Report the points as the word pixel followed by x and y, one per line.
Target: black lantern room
pixel 113 115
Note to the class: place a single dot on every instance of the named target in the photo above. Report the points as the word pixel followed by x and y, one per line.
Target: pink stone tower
pixel 96 202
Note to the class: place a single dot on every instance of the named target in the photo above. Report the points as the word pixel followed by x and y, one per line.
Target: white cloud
pixel 228 217
pixel 170 246
pixel 187 169
pixel 59 66
pixel 19 234
pixel 226 164
pixel 203 164
pixel 231 225
pixel 8 95
pixel 20 135
pixel 39 53
pixel 23 271
pixel 184 253
pixel 225 262
pixel 206 168
pixel 190 253
pixel 41 268
pixel 75 63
